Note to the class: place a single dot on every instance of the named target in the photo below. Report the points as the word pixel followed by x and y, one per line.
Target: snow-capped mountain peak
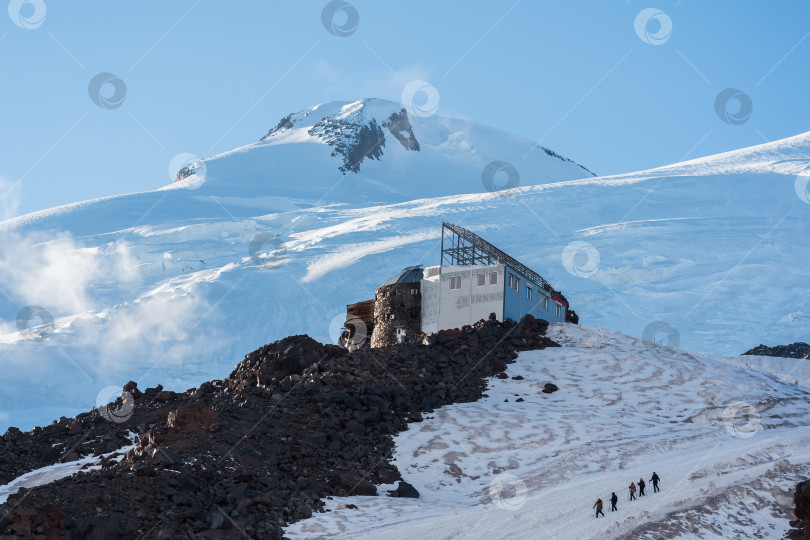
pixel 390 156
pixel 355 130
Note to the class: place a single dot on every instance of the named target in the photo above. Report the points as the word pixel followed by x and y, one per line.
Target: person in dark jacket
pixel 641 486
pixel 613 500
pixel 632 491
pixel 655 479
pixel 598 506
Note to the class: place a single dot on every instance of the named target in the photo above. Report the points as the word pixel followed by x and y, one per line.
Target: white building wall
pixel 430 300
pixel 443 307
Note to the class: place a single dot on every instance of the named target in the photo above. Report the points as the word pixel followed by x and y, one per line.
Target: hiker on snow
pixel 655 481
pixel 613 500
pixel 598 506
pixel 632 491
pixel 641 486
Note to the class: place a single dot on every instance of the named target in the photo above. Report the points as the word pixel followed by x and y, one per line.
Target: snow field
pixel 533 469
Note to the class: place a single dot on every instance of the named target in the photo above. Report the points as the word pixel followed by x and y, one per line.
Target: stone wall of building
pixel 396 306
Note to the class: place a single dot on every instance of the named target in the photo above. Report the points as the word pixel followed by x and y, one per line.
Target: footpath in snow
pixel 729 443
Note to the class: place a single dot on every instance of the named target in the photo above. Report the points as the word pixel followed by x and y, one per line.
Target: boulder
pixel 548 388
pixel 290 356
pixel 404 489
pixel 193 416
pixel 27 521
pixel 802 499
pixel 110 527
pixel 353 484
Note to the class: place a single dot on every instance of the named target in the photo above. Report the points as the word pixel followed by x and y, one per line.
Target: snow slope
pixel 174 286
pixel 57 471
pixel 729 444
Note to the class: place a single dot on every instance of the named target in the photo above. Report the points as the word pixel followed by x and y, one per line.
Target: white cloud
pixel 58 273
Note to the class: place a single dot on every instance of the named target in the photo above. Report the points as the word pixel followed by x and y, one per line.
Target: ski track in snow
pixel 623 411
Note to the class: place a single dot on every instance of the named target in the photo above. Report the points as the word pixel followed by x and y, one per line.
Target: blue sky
pixel 203 77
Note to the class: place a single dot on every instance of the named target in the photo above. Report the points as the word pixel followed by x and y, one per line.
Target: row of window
pixel 398 292
pixel 514 284
pixel 481 280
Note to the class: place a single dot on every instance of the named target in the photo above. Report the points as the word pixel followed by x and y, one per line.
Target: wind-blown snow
pixel 160 286
pixel 533 469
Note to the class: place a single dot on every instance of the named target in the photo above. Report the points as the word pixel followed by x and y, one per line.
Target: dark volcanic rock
pixel 295 422
pixel 353 484
pixel 290 356
pixel 404 489
pixel 801 524
pixel 110 527
pixel 794 350
pixel 400 127
pixel 193 416
pixel 802 500
pixel 548 388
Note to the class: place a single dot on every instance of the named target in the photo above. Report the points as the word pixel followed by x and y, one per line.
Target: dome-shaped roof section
pixel 411 274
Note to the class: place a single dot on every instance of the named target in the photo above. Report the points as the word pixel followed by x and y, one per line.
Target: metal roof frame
pixel 467 248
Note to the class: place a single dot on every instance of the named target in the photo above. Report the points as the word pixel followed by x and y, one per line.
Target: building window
pixel 517 284
pixel 546 302
pixel 482 279
pixel 493 278
pixel 399 292
pixel 391 316
pixel 559 310
pixel 414 291
pixel 455 282
pixel 528 292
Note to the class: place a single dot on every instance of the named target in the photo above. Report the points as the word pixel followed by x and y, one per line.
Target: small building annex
pixel 473 280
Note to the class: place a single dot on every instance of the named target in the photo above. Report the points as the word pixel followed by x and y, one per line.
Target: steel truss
pixel 463 247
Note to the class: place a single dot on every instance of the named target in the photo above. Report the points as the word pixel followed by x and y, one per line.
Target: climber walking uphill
pixel 655 479
pixel 641 486
pixel 613 500
pixel 632 491
pixel 598 506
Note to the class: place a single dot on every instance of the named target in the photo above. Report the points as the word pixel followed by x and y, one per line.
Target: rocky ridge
pixel 294 423
pixel 794 350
